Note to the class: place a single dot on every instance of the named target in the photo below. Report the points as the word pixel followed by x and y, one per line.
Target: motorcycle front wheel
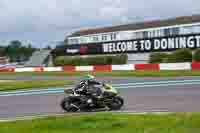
pixel 68 105
pixel 117 103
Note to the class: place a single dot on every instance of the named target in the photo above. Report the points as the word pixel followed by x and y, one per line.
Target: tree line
pixel 180 55
pixel 17 52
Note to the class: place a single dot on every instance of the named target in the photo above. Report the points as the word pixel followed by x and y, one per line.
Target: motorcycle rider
pixel 89 86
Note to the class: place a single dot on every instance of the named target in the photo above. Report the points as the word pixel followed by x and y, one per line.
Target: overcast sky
pixel 45 22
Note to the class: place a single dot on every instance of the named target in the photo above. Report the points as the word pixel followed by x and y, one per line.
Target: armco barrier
pixel 126 67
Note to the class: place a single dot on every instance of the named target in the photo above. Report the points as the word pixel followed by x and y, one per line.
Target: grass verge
pixel 113 73
pixel 18 85
pixel 108 123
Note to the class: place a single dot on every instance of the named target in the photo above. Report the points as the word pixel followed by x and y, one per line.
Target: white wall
pixel 138 58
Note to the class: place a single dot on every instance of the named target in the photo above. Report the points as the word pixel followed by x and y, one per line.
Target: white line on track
pixel 137 84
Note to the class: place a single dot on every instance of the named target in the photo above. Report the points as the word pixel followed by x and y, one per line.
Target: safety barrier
pixel 175 66
pixel 126 67
pixel 7 69
pixel 147 67
pixel 195 66
pixel 84 68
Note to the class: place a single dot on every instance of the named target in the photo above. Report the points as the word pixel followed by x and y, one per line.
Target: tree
pixel 157 57
pixel 17 52
pixel 2 51
pixel 12 50
pixel 180 55
pixel 16 43
pixel 183 55
pixel 48 47
pixel 197 55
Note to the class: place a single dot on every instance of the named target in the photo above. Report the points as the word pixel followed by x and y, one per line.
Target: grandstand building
pixel 4 60
pixel 138 40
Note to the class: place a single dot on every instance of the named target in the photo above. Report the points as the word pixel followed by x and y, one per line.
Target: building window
pixel 155 33
pixel 174 31
pixel 158 33
pixel 95 39
pixel 150 34
pixel 82 40
pixel 186 30
pixel 75 41
pixel 145 34
pixel 133 35
pixel 113 36
pixel 87 39
pixel 161 32
pixel 138 35
pixel 177 30
pixel 69 41
pixel 90 39
pixel 166 32
pixel 104 38
pixel 196 29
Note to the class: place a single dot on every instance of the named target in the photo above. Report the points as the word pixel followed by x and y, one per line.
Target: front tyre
pixel 117 103
pixel 66 105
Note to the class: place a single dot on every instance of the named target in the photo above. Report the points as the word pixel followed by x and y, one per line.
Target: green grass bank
pixel 145 73
pixel 19 85
pixel 108 123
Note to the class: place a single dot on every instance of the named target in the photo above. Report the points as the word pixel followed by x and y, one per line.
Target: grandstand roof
pixel 139 25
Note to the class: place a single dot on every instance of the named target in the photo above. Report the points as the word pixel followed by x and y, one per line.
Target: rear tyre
pixel 118 102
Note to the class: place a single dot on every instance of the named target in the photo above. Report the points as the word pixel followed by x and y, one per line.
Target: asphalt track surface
pixel 184 98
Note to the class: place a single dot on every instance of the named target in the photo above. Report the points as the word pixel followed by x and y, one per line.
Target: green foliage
pixel 16 51
pixel 2 51
pixel 197 55
pixel 157 57
pixel 180 55
pixel 48 47
pixel 94 60
pixel 170 59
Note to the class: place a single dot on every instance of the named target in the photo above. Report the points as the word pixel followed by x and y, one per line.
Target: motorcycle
pixel 75 101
